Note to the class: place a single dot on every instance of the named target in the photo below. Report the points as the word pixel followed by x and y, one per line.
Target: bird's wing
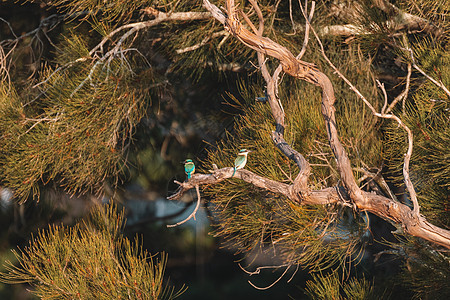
pixel 239 161
pixel 189 168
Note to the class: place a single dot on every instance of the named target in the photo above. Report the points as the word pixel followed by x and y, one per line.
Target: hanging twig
pixel 258 271
pixel 307 26
pixel 192 215
pixel 403 95
pixel 273 283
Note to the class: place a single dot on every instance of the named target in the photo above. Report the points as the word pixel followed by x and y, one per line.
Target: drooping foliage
pixel 331 287
pixel 76 132
pixel 91 260
pixel 73 119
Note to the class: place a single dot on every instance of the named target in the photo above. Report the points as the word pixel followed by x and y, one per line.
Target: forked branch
pixel 386 208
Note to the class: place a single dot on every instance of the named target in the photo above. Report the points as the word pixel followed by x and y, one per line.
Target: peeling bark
pixel 299 192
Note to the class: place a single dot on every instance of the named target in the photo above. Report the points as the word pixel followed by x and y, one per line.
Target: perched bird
pixel 240 160
pixel 189 168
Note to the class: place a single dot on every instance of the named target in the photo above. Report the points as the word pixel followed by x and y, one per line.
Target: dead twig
pixel 192 215
pixel 414 64
pixel 307 27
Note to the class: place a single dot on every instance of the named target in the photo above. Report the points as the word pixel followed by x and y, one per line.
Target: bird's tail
pixel 188 175
pixel 234 171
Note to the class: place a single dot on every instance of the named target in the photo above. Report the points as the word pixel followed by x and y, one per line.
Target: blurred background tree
pixel 101 101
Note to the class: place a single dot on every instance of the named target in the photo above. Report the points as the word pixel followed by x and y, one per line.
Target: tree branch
pixel 386 208
pixel 96 53
pixel 192 215
pixel 414 64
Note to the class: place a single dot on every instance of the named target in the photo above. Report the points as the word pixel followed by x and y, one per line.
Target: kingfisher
pixel 189 168
pixel 240 160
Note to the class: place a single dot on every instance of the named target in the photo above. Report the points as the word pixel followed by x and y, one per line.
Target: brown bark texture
pixel 349 194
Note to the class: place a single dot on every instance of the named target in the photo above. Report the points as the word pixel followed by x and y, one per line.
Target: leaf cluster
pixel 330 287
pixel 91 260
pixel 77 129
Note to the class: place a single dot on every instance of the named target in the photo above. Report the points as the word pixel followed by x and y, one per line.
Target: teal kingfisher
pixel 240 160
pixel 189 168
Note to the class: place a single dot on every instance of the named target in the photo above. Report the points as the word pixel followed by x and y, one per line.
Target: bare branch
pixel 307 26
pixel 273 283
pixel 259 32
pixel 192 215
pixel 159 18
pixel 51 21
pixel 378 178
pixel 225 173
pixel 403 95
pixel 203 42
pixel 132 28
pixel 381 85
pixel 414 64
pixel 4 66
pixel 300 183
pixel 386 208
pixel 290 16
pixel 258 269
pixel 407 179
pixel 404 20
pixel 399 20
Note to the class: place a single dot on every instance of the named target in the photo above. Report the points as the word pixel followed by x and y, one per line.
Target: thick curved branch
pixel 407 179
pixel 384 207
pixel 221 174
pixel 301 181
pixel 305 71
pixel 388 209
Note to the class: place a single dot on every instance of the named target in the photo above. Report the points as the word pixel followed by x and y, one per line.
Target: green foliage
pixel 77 132
pixel 91 260
pixel 317 237
pixel 330 287
pixel 427 116
pixel 435 11
pixel 114 10
pixel 323 287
